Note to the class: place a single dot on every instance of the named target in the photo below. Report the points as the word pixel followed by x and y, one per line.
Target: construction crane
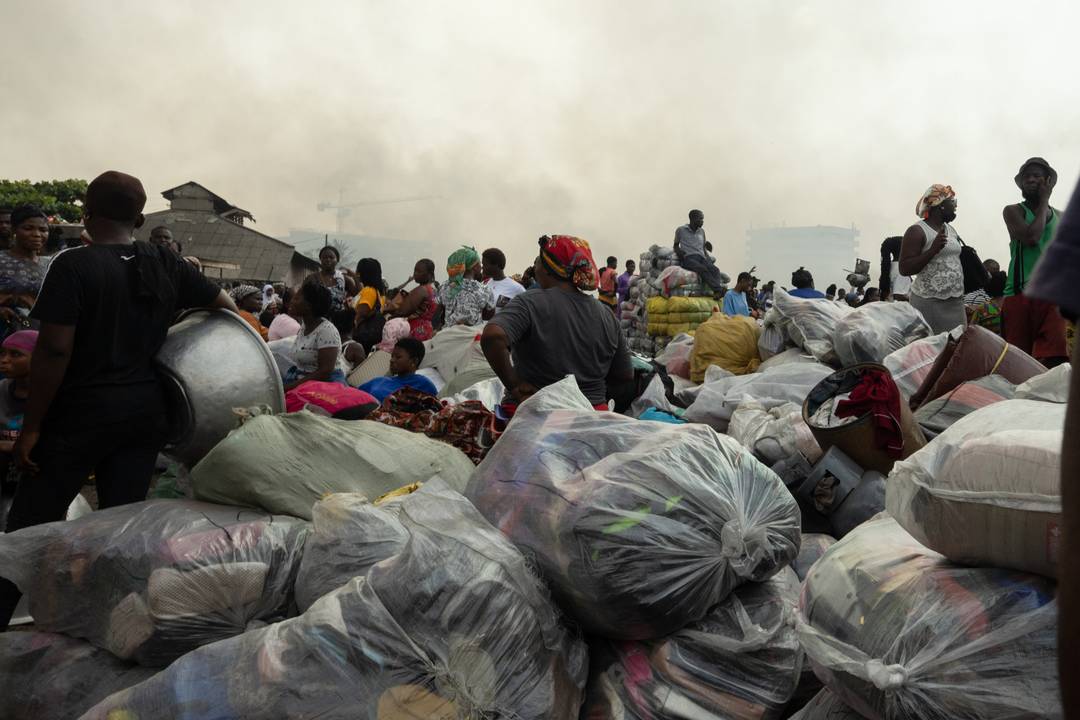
pixel 343 208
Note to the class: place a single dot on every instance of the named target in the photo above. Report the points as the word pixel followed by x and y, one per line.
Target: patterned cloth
pixel 987 315
pixel 934 196
pixel 21 277
pixel 420 321
pixel 466 302
pixel 460 262
pixel 570 258
pixel 240 292
pixel 468 426
pixel 395 329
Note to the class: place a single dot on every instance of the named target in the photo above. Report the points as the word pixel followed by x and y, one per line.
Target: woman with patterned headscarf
pixel 465 299
pixel 558 330
pixel 248 299
pixel 931 251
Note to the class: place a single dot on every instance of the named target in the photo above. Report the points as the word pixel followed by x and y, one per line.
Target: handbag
pixel 369 333
pixel 976 276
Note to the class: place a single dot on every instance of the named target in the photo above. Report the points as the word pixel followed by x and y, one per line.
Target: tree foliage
pixel 60 199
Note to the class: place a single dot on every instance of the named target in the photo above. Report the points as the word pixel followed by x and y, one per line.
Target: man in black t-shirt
pixel 95 405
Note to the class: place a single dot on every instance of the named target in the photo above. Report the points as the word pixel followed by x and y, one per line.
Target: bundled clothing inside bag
pixel 467 425
pixel 718 400
pixel 937 415
pixel 452 626
pixel 742 660
pixel 285 463
pixel 350 535
pixel 911 365
pixel 726 341
pixel 639 528
pixel 871 332
pixel 877 395
pixel 810 323
pixel 45 676
pixel 153 580
pixel 899 632
pixel 987 491
pixel 826 706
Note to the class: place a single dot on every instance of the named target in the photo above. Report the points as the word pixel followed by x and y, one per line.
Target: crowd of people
pixel 79 330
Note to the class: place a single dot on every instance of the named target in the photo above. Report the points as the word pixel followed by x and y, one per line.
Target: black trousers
pixel 120 455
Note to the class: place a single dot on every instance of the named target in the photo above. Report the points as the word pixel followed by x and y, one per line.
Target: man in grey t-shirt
pixel 690 248
pixel 556 331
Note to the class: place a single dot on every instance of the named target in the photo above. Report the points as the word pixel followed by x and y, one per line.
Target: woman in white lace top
pixel 931 250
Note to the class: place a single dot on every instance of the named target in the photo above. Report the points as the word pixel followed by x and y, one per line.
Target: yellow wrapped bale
pixel 691 305
pixel 727 341
pixel 657 305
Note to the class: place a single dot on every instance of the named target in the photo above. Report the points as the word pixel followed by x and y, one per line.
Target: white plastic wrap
pixel 639 527
pixel 789 356
pixel 742 660
pixel 489 392
pixel 153 580
pixel 987 491
pixel 910 365
pixel 898 632
pixel 773 435
pixel 453 626
pixel 717 401
pixel 285 463
pixel 45 676
pixel 655 396
pixel 349 536
pixel 811 323
pixel 1051 386
pixel 871 332
pixel 676 356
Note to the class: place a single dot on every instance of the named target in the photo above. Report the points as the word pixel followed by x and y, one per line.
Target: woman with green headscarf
pixel 465 300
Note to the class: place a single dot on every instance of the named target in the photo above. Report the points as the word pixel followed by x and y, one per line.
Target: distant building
pixel 212 229
pixel 826 251
pixel 398 257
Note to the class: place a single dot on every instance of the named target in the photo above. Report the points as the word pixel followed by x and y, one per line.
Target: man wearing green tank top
pixel 1034 326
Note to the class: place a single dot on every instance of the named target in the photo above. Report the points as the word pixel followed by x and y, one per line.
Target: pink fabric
pixel 23 341
pixel 332 397
pixel 395 329
pixel 283 326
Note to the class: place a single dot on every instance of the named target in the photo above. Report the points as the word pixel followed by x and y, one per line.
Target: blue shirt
pixel 807 293
pixel 383 387
pixel 735 304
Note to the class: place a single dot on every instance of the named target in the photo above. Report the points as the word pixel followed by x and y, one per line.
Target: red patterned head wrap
pixel 569 258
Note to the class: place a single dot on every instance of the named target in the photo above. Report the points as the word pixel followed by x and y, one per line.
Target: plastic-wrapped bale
pixel 676 356
pixel 1050 386
pixel 774 338
pixel 727 341
pixel 937 415
pixel 45 676
pixel 910 366
pixel 899 632
pixel 668 317
pixel 454 625
pixel 813 547
pixel 789 356
pixel 811 323
pixel 872 332
pixel 655 396
pixel 826 706
pixel 285 463
pixel 977 353
pixel 717 401
pixel 742 660
pixel 349 536
pixel 153 580
pixel 987 491
pixel 639 527
pixel 773 435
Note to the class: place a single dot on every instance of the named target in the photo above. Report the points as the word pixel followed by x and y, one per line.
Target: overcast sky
pixel 603 119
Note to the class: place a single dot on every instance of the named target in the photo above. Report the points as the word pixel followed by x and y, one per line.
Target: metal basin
pixel 212 361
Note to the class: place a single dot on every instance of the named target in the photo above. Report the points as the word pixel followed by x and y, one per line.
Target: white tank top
pixel 943 276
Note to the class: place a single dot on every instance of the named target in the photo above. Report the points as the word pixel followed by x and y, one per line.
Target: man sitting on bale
pixel 690 246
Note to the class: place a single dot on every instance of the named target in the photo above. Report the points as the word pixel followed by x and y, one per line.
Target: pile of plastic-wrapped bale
pixel 836 514
pixel 665 300
pixel 935 460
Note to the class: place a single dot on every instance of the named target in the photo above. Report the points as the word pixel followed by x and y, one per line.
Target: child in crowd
pixel 14 389
pixel 405 359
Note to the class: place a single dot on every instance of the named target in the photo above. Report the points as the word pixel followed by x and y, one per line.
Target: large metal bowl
pixel 213 361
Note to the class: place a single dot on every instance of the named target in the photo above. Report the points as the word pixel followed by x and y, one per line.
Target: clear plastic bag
pixel 742 660
pixel 153 580
pixel 898 632
pixel 813 547
pixel 638 527
pixel 938 415
pixel 349 536
pixel 676 356
pixel 453 626
pixel 773 435
pixel 45 676
pixel 988 489
pixel 812 323
pixel 285 463
pixel 717 401
pixel 871 332
pixel 910 365
pixel 488 392
pixel 1051 386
